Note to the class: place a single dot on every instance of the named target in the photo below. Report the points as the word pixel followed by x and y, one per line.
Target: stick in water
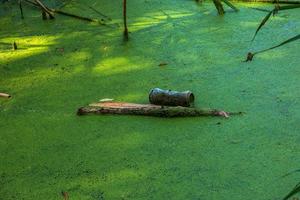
pixel 251 55
pixel 126 36
pixel 293 192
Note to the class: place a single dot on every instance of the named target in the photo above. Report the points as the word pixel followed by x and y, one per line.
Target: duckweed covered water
pixel 64 64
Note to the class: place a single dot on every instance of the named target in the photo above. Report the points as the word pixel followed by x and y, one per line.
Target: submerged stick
pixel 219 7
pixel 251 55
pixel 122 108
pixel 289 173
pixel 78 17
pixel 293 192
pixel 297 37
pixel 265 19
pixel 73 15
pixel 287 7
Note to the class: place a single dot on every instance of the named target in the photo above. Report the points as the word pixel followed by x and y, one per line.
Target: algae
pixel 63 64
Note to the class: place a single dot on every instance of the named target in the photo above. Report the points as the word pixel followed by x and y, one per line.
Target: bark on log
pixel 4 95
pixel 121 108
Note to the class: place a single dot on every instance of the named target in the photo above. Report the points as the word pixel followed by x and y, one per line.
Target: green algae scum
pixel 48 152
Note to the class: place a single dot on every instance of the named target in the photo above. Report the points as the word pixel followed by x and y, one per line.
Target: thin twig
pixel 101 14
pixel 251 55
pixel 293 192
pixel 289 173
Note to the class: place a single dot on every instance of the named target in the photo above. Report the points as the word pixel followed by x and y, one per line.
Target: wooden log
pixel 4 95
pixel 123 108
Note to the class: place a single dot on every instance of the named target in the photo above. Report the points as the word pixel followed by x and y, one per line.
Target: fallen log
pixel 4 95
pixel 123 108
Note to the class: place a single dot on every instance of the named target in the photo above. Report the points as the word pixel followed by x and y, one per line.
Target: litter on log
pixel 161 97
pixel 123 108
